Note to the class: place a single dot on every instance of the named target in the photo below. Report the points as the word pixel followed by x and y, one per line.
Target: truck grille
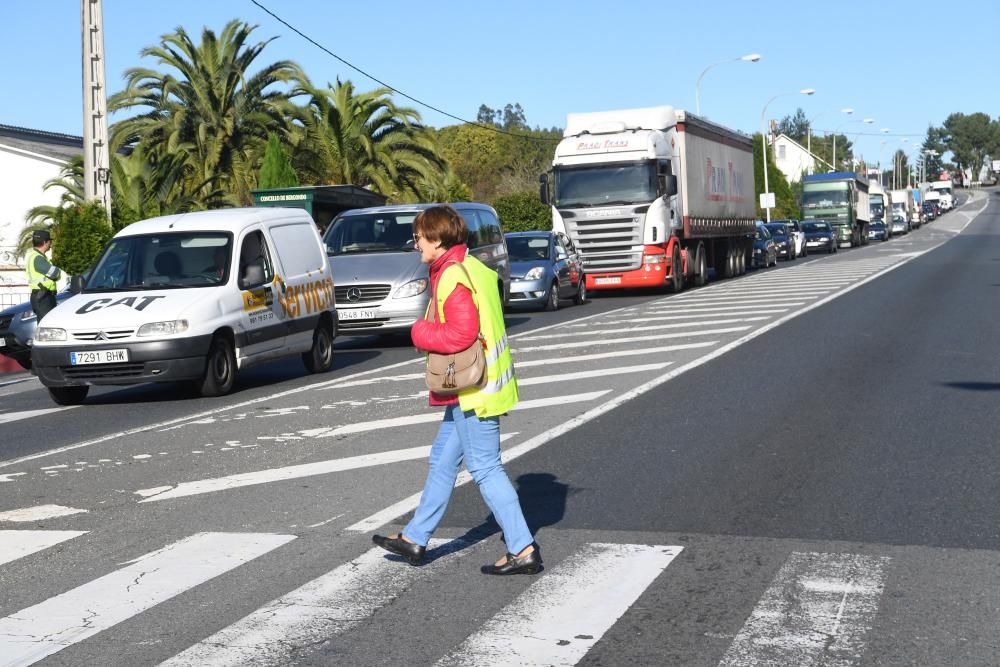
pixel 115 334
pixel 103 371
pixel 607 244
pixel 361 293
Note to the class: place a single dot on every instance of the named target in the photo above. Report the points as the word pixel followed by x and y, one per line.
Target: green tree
pixel 70 182
pixel 795 126
pixel 209 107
pixel 142 188
pixel 277 170
pixel 969 138
pixel 523 212
pixel 785 205
pixel 932 151
pixel 363 139
pixel 79 234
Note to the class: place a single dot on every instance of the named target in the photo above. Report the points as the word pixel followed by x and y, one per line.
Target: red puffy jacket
pixel 461 325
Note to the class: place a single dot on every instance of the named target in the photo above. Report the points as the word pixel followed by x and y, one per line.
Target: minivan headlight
pixel 50 334
pixel 412 288
pixel 163 328
pixel 535 273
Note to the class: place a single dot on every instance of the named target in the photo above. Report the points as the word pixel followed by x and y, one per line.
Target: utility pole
pixel 96 162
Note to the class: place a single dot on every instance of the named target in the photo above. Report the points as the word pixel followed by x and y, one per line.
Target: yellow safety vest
pixel 36 279
pixel 500 393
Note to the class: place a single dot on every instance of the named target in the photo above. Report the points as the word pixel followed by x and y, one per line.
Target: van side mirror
pixel 253 274
pixel 543 188
pixel 77 284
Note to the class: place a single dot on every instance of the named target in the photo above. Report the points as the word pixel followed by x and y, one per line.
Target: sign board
pixel 996 165
pixel 767 200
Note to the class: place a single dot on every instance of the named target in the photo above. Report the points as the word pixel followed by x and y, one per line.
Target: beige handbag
pixel 452 373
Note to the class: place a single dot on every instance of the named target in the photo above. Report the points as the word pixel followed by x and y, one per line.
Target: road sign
pixel 767 200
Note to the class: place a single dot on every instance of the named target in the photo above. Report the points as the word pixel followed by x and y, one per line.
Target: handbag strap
pixel 472 288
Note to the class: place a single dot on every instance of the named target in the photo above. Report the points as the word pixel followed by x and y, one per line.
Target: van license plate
pixel 98 357
pixel 3 342
pixel 609 280
pixel 355 314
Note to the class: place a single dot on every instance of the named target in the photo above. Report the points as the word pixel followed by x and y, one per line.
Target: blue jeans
pixel 464 435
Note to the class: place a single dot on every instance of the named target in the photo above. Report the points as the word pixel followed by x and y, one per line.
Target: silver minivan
pixel 381 285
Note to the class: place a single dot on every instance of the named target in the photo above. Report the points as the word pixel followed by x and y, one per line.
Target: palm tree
pixel 70 180
pixel 211 110
pixel 363 139
pixel 142 188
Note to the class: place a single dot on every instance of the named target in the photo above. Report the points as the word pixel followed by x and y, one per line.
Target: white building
pixel 792 158
pixel 28 158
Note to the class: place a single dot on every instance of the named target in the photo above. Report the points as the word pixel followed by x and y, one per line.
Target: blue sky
pixel 905 64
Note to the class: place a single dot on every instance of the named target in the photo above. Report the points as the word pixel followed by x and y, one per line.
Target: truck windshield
pixel 162 261
pixel 824 199
pixel 605 185
pixel 374 232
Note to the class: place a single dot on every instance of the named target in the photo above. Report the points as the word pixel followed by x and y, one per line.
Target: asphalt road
pixel 795 467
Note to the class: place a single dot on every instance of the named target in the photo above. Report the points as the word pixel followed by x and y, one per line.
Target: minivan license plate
pixel 355 314
pixel 98 357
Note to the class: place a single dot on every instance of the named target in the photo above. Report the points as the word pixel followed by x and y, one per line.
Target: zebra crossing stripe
pixel 561 616
pixel 817 610
pixel 16 544
pixel 61 621
pixel 322 608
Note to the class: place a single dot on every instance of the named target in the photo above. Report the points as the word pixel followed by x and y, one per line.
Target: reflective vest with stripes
pixel 36 279
pixel 500 393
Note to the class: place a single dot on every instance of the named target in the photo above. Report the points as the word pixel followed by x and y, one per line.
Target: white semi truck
pixel 653 197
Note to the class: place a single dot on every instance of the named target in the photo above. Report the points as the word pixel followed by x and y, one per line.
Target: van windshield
pixel 370 232
pixel 162 261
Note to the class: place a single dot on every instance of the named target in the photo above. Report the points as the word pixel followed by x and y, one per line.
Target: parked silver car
pixel 17 329
pixel 381 285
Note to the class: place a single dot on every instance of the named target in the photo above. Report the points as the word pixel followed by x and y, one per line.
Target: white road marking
pixel 563 614
pixel 7 417
pixel 652 327
pixel 600 372
pixel 39 513
pixel 16 544
pixel 672 318
pixel 629 339
pixel 738 300
pixel 817 610
pixel 319 610
pixel 644 351
pixel 50 626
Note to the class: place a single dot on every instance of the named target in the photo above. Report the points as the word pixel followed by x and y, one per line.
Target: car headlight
pixel 412 288
pixel 535 273
pixel 163 328
pixel 27 316
pixel 49 334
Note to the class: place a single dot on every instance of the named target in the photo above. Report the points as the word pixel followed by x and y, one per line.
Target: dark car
pixel 17 329
pixel 544 268
pixel 819 235
pixel 899 225
pixel 878 231
pixel 784 242
pixel 931 210
pixel 765 252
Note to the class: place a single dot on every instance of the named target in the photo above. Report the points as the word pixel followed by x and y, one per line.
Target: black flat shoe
pixel 414 553
pixel 530 563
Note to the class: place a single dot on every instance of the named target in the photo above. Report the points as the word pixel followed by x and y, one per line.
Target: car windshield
pixel 605 185
pixel 778 229
pixel 162 261
pixel 763 234
pixel 527 248
pixel 815 227
pixel 370 232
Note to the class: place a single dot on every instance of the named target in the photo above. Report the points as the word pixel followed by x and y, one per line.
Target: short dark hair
pixel 40 237
pixel 443 224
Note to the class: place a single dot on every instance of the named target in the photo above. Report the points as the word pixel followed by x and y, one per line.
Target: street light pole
pixel 763 141
pixel 750 58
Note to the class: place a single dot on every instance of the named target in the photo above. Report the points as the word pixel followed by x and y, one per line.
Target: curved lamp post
pixel 750 58
pixel 763 141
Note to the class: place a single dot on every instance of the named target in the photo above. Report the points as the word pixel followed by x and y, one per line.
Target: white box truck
pixel 653 197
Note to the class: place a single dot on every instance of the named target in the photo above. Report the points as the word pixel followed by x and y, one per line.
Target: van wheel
pixel 552 303
pixel 319 359
pixel 69 395
pixel 220 369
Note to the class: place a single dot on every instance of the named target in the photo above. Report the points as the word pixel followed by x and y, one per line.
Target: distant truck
pixel 945 190
pixel 878 202
pixel 653 197
pixel 902 205
pixel 840 198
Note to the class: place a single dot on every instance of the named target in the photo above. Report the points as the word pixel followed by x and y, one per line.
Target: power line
pixel 393 88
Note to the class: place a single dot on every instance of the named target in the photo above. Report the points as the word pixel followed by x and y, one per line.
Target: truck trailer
pixel 840 198
pixel 653 197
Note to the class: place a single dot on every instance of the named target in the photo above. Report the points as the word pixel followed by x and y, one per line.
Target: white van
pixel 193 297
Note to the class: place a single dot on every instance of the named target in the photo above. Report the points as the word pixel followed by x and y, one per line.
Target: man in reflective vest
pixel 42 274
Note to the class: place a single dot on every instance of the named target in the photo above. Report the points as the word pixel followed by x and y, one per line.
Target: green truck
pixel 840 198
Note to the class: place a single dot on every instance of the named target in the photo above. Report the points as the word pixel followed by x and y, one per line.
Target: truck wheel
pixel 741 261
pixel 701 267
pixel 676 272
pixel 319 359
pixel 552 303
pixel 581 291
pixel 69 395
pixel 220 369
